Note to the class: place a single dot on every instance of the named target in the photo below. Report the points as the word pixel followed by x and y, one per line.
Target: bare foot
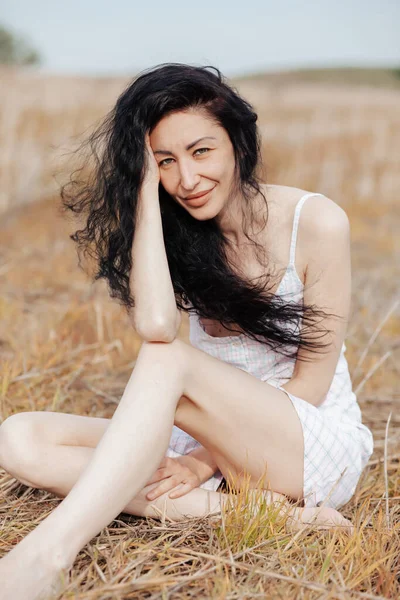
pixel 26 575
pixel 319 517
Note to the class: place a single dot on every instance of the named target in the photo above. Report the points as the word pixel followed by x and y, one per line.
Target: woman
pixel 178 220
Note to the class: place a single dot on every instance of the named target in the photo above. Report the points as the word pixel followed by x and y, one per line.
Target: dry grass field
pixel 65 346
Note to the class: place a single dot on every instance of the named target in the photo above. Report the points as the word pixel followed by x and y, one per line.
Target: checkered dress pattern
pixel 337 445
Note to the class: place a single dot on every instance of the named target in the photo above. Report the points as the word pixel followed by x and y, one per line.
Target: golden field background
pixel 65 346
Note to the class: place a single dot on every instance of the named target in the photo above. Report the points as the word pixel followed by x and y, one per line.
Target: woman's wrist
pixel 148 205
pixel 148 190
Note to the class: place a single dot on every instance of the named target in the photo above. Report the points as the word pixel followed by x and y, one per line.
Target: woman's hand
pixel 152 172
pixel 171 473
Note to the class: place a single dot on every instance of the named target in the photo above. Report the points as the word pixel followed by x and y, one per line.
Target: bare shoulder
pixel 324 235
pixel 322 216
pixel 319 214
pixel 323 227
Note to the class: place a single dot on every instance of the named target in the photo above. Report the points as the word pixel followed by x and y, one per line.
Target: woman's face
pixel 190 165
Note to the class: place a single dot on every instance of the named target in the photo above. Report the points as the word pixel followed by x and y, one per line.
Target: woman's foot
pixel 319 518
pixel 27 575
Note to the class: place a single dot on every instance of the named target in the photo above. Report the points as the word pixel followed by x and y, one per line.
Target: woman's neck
pixel 236 214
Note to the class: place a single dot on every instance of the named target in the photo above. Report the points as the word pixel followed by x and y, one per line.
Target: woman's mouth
pixel 197 202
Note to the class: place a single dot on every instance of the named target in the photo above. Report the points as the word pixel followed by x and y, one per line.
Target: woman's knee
pixel 19 445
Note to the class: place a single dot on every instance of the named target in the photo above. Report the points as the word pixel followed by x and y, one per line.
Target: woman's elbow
pixel 161 337
pixel 159 334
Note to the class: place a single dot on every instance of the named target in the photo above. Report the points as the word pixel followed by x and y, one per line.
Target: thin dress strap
pixel 299 206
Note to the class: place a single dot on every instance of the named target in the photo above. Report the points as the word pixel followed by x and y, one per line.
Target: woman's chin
pixel 205 213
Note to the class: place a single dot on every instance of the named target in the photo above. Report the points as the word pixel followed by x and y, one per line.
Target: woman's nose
pixel 189 176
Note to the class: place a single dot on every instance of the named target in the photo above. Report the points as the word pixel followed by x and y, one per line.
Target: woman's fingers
pixel 152 173
pixel 175 478
pixel 165 486
pixel 179 486
pixel 167 468
pixel 159 475
pixel 181 490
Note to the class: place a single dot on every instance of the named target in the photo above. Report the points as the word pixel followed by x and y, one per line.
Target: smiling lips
pixel 199 195
pixel 198 200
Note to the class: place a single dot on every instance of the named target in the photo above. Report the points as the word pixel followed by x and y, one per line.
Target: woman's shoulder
pixel 318 213
pixel 322 216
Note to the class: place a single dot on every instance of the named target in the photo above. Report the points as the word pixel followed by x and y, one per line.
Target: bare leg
pixel 58 468
pixel 125 458
pixel 54 454
pixel 127 455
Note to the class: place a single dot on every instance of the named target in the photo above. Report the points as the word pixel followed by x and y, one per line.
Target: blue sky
pixel 123 37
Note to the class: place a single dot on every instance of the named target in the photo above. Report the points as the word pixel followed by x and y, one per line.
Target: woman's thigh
pixel 250 427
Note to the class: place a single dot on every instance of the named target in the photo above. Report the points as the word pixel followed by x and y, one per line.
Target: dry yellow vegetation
pixel 65 346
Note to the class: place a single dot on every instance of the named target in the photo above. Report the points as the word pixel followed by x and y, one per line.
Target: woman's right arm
pixel 155 315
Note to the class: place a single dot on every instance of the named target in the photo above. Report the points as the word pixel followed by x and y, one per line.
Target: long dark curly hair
pixel 203 277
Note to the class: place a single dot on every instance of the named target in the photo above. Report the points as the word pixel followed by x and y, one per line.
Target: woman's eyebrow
pixel 207 137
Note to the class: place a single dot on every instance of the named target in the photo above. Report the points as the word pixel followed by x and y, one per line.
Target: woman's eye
pixel 164 163
pixel 201 149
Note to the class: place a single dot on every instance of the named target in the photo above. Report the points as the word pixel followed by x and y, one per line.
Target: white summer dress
pixel 337 445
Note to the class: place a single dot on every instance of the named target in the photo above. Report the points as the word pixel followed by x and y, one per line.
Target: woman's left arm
pixel 324 233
